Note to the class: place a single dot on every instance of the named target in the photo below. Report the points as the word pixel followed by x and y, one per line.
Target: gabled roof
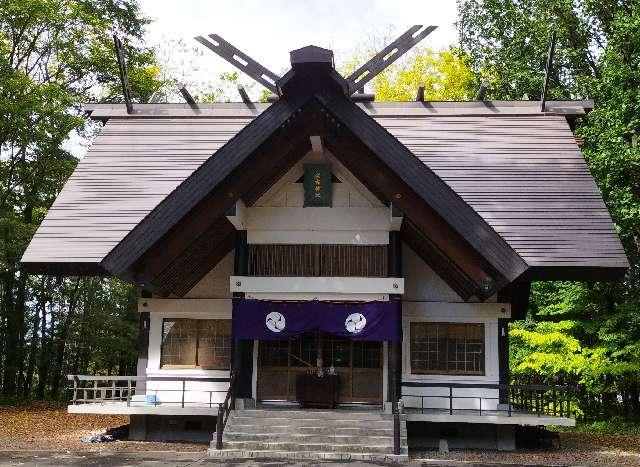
pixel 506 177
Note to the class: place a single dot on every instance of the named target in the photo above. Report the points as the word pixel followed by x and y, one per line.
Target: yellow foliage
pixel 445 74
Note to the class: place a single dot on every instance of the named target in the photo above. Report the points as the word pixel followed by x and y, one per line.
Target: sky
pixel 268 30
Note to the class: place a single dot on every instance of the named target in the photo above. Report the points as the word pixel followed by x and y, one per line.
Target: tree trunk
pixel 56 375
pixel 11 335
pixel 45 354
pixel 33 344
pixel 20 312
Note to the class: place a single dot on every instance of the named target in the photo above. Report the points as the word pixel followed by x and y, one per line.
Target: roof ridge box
pixel 312 67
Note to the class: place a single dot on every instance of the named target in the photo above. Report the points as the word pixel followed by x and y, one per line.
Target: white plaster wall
pixel 168 391
pixel 349 193
pixel 421 282
pixel 216 283
pixel 485 313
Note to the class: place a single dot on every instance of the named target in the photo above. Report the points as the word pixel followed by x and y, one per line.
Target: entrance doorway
pixel 358 364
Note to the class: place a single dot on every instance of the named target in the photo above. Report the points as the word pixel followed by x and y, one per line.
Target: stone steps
pixel 311 434
pixel 311 438
pixel 313 430
pixel 314 414
pixel 323 446
pixel 307 455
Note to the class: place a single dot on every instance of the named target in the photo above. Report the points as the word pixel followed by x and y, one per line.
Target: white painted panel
pixel 336 218
pixel 361 297
pixel 323 237
pixel 343 285
pixel 438 398
pixel 170 392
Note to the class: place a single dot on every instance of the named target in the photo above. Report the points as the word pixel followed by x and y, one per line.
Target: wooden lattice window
pixel 447 348
pixel 196 343
pixel 318 260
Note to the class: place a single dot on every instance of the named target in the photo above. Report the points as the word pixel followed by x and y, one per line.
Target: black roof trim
pixel 65 269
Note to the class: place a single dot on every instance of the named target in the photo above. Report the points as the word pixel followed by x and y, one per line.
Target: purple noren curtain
pixel 271 320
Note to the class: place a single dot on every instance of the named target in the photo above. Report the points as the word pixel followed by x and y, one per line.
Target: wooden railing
pixel 224 410
pixel 517 399
pixel 113 389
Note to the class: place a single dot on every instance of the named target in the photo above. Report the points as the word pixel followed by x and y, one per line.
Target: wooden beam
pixel 186 95
pixel 316 144
pixel 379 62
pixel 237 215
pixel 363 97
pixel 482 91
pixel 124 78
pixel 241 61
pixel 547 70
pixel 243 94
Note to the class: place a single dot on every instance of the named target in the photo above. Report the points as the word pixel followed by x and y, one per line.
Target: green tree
pixel 54 56
pixel 576 332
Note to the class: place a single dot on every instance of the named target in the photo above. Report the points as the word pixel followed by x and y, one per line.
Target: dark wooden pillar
pixel 242 362
pixel 394 265
pixel 503 357
pixel 143 343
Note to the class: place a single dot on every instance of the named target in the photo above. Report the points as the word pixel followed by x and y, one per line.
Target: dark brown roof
pixel 520 169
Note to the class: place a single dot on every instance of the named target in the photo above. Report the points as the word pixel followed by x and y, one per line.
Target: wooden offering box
pixel 315 391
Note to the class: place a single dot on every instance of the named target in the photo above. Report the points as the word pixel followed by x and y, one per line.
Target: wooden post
pixel 394 265
pixel 396 433
pixel 128 392
pixel 242 363
pixel 503 360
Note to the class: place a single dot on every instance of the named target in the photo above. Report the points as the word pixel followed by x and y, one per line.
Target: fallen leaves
pixel 48 426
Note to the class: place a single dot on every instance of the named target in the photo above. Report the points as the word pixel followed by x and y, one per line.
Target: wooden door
pixel 359 365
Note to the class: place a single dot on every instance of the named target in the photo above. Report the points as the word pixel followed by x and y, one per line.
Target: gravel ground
pixel 576 449
pixel 45 434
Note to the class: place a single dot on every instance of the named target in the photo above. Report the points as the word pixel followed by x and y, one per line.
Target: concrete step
pixel 316 414
pixel 311 434
pixel 308 455
pixel 312 447
pixel 308 438
pixel 317 430
pixel 296 422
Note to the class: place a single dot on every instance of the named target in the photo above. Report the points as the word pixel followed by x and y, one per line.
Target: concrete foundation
pixel 506 437
pixel 198 429
pixel 426 435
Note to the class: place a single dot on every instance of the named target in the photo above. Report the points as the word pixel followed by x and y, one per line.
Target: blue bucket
pixel 150 399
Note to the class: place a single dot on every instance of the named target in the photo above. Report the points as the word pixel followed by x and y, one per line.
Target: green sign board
pixel 317 185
